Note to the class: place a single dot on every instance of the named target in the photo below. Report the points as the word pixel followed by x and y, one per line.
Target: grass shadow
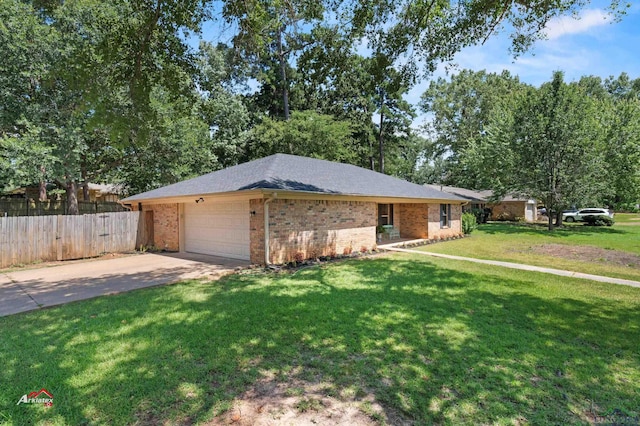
pixel 508 228
pixel 433 344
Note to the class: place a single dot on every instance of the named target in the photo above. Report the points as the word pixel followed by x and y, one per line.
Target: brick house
pixel 510 207
pixel 306 208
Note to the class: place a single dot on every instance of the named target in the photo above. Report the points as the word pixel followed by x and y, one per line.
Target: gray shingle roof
pixel 473 195
pixel 468 194
pixel 292 173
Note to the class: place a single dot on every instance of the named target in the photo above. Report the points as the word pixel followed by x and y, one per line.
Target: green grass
pixel 627 218
pixel 518 243
pixel 435 341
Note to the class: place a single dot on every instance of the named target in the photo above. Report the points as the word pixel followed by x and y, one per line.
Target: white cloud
pixel 588 19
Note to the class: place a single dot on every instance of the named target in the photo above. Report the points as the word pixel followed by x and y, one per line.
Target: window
pixel 385 214
pixel 445 215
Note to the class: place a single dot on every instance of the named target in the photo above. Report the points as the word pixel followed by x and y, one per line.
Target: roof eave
pixel 289 194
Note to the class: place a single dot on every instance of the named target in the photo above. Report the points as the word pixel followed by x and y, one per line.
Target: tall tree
pixel 395 114
pixel 307 133
pixel 269 33
pixel 556 145
pixel 88 71
pixel 429 32
pixel 622 153
pixel 461 109
pixel 221 106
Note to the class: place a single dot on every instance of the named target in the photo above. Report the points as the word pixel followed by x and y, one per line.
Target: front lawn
pixel 430 340
pixel 609 251
pixel 627 218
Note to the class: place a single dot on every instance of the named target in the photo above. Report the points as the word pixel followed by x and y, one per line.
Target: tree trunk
pixel 558 218
pixel 372 150
pixel 42 186
pixel 72 197
pixel 550 207
pixel 381 140
pixel 283 76
pixel 85 183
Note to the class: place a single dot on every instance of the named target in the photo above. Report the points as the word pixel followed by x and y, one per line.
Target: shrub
pixel 504 217
pixel 598 221
pixel 469 223
pixel 627 207
pixel 482 215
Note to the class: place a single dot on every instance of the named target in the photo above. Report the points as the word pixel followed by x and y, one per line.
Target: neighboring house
pixel 305 207
pixel 101 193
pixel 32 191
pixel 475 199
pixel 513 208
pixel 508 208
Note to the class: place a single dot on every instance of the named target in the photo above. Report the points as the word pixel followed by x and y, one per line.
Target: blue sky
pixel 591 45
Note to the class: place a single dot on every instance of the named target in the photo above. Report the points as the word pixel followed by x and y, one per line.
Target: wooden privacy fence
pixel 27 239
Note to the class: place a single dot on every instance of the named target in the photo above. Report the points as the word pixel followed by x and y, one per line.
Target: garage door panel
pixel 218 228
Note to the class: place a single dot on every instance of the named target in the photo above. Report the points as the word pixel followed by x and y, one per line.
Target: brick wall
pixel 310 228
pixel 455 224
pixel 413 220
pixel 256 231
pixel 508 210
pixel 166 225
pixel 397 215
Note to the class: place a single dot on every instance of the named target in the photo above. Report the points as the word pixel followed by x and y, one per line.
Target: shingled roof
pixel 293 173
pixel 476 196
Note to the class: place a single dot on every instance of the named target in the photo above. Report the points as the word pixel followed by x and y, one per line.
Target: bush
pixel 626 207
pixel 598 221
pixel 469 223
pixel 482 215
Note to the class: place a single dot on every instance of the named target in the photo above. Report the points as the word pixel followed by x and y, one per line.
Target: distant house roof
pixel 468 194
pixel 293 173
pixel 108 188
pixel 476 196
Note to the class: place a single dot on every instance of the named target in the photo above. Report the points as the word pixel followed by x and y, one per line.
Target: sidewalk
pixel 522 267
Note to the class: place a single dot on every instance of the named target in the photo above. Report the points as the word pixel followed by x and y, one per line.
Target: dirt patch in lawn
pixel 271 402
pixel 588 254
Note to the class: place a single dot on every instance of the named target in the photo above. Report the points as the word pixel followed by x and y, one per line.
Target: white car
pixel 581 214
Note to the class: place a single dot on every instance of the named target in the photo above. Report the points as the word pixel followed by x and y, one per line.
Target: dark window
pixel 385 214
pixel 445 215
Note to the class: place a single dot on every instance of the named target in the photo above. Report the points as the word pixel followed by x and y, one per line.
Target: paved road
pixel 523 267
pixel 31 289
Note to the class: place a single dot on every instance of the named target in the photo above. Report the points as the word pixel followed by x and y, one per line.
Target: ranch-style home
pixel 306 207
pixel 510 207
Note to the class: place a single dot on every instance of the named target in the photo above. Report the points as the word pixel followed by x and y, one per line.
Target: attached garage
pixel 282 208
pixel 218 228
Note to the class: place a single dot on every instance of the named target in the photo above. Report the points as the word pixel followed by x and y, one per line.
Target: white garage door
pixel 217 228
pixel 529 213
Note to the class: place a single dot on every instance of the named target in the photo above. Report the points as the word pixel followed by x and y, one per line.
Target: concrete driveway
pixel 31 289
